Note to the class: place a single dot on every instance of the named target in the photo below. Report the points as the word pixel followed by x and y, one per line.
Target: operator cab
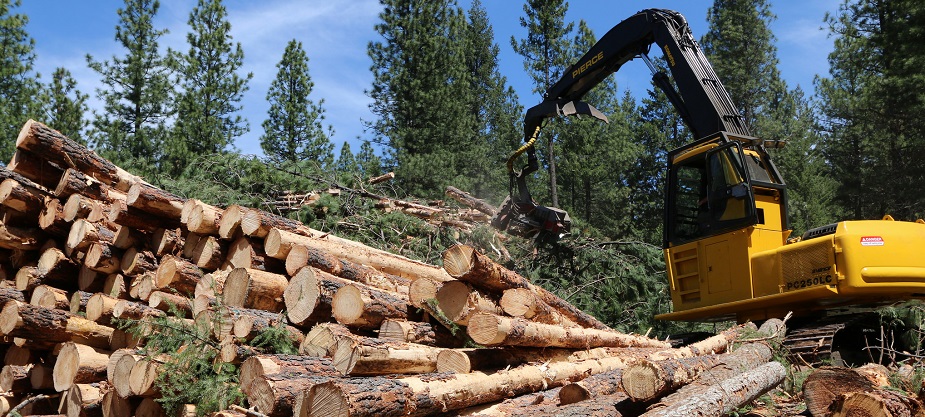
pixel 712 187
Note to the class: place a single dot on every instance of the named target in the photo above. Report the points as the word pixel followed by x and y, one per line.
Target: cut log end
pixel 484 329
pixel 573 393
pixel 327 400
pixel 450 360
pixel 457 260
pixel 641 380
pixel 347 305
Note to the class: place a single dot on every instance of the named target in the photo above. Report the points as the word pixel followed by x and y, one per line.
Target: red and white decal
pixel 871 241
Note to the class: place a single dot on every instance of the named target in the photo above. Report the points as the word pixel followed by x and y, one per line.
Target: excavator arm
pixel 703 103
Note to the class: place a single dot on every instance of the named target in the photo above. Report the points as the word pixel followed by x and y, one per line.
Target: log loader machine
pixel 727 245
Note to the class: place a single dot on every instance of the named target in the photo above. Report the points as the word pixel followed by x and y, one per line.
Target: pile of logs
pixel 83 242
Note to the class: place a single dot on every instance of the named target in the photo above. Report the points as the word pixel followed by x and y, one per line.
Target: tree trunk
pixel 359 356
pixel 416 396
pixel 257 223
pixel 209 252
pixel 275 395
pixel 248 253
pixel 83 400
pixel 103 257
pixel 56 269
pixel 523 302
pixel 362 306
pixel 465 264
pixel 321 340
pixel 37 138
pixel 423 289
pixel 142 376
pixel 115 287
pixel 136 262
pixel 300 256
pixel 470 201
pixel 459 301
pixel 309 294
pixel 252 288
pixel 126 238
pixel 491 330
pixel 279 242
pixel 728 395
pixel 46 325
pixel 166 241
pixel 826 384
pixel 211 284
pixel 418 332
pixel 647 380
pixel 22 198
pixel 78 301
pixel 75 182
pixel 257 366
pixel 35 168
pixel 128 216
pixel 125 309
pixel 113 405
pixel 249 323
pixel 100 307
pixel 84 233
pixel 15 378
pixel 204 219
pixel 878 402
pixel 177 273
pixel 230 225
pixel 165 301
pixel 155 201
pixel 50 297
pixel 51 219
pixel 79 364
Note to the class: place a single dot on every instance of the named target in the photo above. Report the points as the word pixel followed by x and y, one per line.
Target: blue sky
pixel 335 34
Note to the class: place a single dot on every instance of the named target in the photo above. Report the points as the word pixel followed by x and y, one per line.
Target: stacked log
pixel 378 333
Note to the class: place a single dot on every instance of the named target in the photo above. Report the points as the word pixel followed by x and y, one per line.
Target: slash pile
pixel 83 242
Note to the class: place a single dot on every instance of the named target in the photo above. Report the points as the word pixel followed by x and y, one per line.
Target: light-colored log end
pixel 457 260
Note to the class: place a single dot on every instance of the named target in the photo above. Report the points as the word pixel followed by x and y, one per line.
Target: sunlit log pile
pixel 83 242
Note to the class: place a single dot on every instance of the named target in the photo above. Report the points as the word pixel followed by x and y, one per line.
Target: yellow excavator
pixel 727 245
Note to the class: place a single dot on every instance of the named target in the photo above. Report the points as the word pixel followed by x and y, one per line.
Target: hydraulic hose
pixel 522 149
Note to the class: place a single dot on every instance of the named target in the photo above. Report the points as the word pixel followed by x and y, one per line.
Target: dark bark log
pixel 35 168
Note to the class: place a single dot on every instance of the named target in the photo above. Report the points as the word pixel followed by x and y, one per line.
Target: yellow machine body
pixel 753 273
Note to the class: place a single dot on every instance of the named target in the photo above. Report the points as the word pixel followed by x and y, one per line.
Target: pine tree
pixel 369 163
pixel 207 120
pixel 871 107
pixel 546 52
pixel 494 108
pixel 420 93
pixel 293 130
pixel 131 128
pixel 18 84
pixel 66 105
pixel 346 162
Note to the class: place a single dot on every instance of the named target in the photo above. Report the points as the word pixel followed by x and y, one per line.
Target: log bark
pixel 382 178
pixel 748 356
pixel 79 364
pixel 365 356
pixel 470 201
pixel 22 198
pixel 125 309
pixel 37 138
pixel 647 380
pixel 55 326
pixel 104 258
pixel 128 216
pixel 248 253
pixel 177 273
pixel 18 238
pixel 257 366
pixel 7 173
pixel 416 396
pixel 459 301
pixel 489 359
pixel 249 323
pixel 300 256
pixel 728 395
pixel 252 288
pixel 418 332
pixel 523 302
pixel 826 384
pixel 466 264
pixel 136 262
pixel 35 168
pixel 361 306
pixel 166 241
pixel 275 395
pixel 257 223
pixel 279 242
pixel 491 330
pixel 75 182
pixel 155 201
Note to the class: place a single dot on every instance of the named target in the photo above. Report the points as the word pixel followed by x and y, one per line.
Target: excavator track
pixel 825 340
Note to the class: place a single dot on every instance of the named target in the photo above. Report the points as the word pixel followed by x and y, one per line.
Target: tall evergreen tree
pixel 207 120
pixel 369 163
pixel 131 128
pixel 546 52
pixel 346 161
pixel 420 92
pixel 66 105
pixel 493 106
pixel 871 107
pixel 18 83
pixel 293 130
